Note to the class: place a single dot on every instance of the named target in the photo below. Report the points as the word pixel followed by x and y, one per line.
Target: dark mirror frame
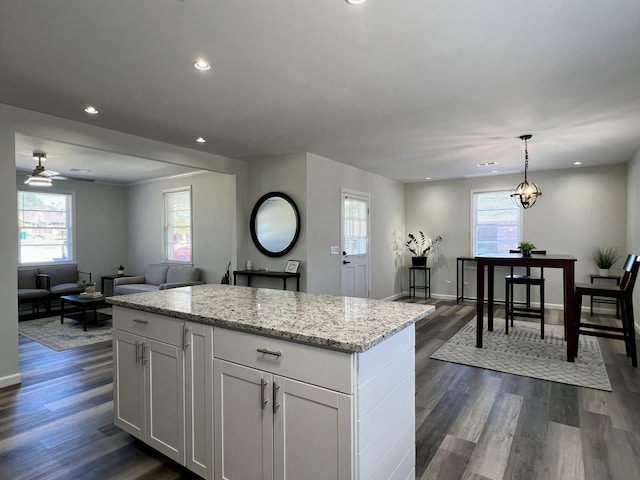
pixel 253 227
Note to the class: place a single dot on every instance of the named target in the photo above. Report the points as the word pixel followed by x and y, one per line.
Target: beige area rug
pixel 524 353
pixel 51 333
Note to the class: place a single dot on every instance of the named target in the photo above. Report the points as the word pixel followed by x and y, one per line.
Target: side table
pixel 460 261
pixel 611 301
pixel 111 278
pixel 426 285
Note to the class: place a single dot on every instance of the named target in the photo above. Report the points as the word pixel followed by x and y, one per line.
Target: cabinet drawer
pixel 314 365
pixel 157 327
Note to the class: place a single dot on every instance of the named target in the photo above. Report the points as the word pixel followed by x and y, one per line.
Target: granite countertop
pixel 340 323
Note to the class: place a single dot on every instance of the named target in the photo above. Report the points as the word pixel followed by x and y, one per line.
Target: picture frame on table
pixel 292 266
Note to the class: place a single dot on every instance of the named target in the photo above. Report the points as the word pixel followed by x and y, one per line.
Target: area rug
pixel 51 333
pixel 524 353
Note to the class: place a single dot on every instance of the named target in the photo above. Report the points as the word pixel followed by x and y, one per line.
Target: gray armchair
pixel 31 289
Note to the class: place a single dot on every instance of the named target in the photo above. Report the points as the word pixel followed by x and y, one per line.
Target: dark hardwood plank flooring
pixel 470 423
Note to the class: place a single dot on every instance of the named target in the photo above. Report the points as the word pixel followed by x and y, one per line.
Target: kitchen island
pixel 238 382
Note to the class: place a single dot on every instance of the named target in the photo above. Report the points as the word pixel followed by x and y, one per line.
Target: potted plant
pixel 420 246
pixel 525 248
pixel 605 258
pixel 120 269
pixel 89 287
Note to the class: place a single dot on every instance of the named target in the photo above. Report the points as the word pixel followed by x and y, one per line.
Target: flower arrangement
pixel 420 246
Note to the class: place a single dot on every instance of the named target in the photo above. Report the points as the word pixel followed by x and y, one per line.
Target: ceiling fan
pixel 41 177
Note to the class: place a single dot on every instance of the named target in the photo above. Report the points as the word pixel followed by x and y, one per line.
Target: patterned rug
pixel 523 352
pixel 49 332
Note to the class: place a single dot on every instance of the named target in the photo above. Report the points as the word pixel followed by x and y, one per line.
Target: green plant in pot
pixel 120 269
pixel 89 287
pixel 605 258
pixel 525 248
pixel 420 246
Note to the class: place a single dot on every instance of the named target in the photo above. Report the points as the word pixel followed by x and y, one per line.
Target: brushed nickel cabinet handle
pixel 137 351
pixel 269 352
pixel 275 396
pixel 263 388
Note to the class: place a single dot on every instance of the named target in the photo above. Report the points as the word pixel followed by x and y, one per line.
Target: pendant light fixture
pixel 526 193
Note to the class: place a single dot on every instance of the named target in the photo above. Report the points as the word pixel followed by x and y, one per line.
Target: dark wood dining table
pixel 565 262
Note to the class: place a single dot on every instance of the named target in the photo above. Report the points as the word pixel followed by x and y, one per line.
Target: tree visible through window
pixel 177 225
pixel 496 223
pixel 45 226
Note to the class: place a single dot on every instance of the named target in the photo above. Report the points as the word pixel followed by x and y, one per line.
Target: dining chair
pixel 512 309
pixel 622 294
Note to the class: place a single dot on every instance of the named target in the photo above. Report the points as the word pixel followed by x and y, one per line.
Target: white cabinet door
pixel 243 423
pixel 199 398
pixel 128 383
pixel 164 386
pixel 312 432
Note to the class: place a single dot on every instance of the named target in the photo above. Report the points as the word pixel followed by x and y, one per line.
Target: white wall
pixel 325 178
pixel 214 222
pixel 14 120
pixel 580 208
pixel 633 222
pixel 286 174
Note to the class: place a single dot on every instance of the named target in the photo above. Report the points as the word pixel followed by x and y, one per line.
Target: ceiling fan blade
pixel 77 179
pixel 48 173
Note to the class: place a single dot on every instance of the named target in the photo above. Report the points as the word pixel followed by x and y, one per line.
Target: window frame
pixel 472 219
pixel 70 222
pixel 165 226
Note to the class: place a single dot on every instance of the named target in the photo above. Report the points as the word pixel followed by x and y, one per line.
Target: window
pixel 497 223
pixel 45 227
pixel 355 225
pixel 177 225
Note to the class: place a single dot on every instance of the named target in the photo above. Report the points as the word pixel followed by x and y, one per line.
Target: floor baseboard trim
pixel 9 380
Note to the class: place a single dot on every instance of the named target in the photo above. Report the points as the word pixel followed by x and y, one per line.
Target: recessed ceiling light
pixel 356 2
pixel 91 110
pixel 202 64
pixel 427 178
pixel 577 163
pixel 494 171
pixel 486 164
pixel 200 140
pixel 80 170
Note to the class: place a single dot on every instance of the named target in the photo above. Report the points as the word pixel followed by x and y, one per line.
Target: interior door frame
pixel 367 197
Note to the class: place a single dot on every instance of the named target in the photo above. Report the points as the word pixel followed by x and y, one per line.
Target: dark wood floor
pixel 470 423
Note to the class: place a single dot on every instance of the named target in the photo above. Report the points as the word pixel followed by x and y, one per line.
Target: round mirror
pixel 275 224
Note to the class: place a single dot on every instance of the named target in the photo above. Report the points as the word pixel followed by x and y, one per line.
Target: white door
pixel 355 244
pixel 299 409
pixel 164 385
pixel 128 383
pixel 243 423
pixel 199 398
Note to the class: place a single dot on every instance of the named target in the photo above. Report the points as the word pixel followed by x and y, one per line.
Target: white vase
pixel 604 272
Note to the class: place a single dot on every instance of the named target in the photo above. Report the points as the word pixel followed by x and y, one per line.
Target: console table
pixel 460 261
pixel 266 273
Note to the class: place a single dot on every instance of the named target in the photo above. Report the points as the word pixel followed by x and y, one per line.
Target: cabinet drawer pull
pixel 269 352
pixel 263 387
pixel 137 320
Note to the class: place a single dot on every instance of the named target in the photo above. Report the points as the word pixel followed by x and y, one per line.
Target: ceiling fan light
pixel 38 181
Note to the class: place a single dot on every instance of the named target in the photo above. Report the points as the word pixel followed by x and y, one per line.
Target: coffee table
pixel 83 303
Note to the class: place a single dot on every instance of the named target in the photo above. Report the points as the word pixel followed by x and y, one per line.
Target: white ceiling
pixel 406 89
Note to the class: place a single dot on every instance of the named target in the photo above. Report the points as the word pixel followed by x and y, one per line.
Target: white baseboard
pixel 9 380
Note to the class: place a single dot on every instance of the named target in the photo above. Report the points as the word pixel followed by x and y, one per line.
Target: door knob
pixel 344 262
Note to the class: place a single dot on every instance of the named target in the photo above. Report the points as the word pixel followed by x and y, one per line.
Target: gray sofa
pixel 158 277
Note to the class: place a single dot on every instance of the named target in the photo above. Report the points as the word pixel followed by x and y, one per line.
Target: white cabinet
pixel 149 381
pixel 199 398
pixel 269 426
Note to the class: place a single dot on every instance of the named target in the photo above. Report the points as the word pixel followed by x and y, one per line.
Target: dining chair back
pixel 512 308
pixel 623 294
